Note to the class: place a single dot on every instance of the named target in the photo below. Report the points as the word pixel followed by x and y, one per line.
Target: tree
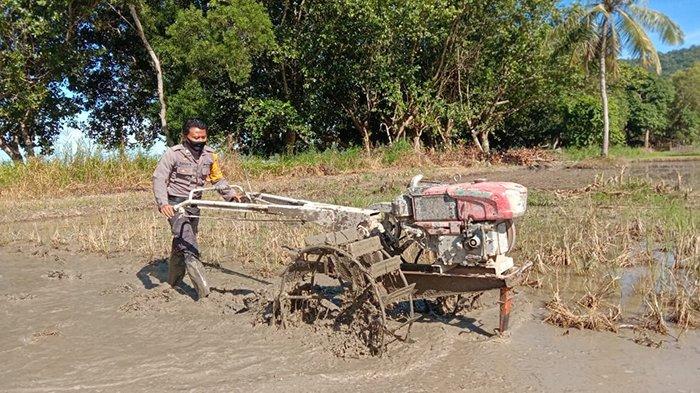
pixel 117 83
pixel 649 98
pixel 495 64
pixel 271 125
pixel 684 124
pixel 372 60
pixel 600 32
pixel 583 116
pixel 424 70
pixel 208 58
pixel 155 61
pixel 37 66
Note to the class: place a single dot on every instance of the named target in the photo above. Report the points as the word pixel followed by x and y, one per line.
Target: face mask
pixel 197 146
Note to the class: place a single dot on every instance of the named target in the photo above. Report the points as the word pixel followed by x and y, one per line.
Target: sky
pixel 686 13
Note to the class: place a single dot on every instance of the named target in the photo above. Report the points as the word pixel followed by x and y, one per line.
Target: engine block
pixel 468 224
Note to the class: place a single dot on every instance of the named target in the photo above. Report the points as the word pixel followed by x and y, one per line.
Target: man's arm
pixel 160 182
pixel 216 177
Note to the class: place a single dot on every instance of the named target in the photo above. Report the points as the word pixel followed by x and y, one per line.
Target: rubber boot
pixel 195 270
pixel 176 268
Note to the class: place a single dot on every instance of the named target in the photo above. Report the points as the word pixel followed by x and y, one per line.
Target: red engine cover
pixel 485 201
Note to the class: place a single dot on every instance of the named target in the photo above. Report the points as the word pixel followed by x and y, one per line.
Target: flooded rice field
pixel 80 313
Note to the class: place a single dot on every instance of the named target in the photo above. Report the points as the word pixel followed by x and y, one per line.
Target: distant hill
pixel 679 59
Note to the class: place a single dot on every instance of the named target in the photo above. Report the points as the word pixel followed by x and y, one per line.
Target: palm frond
pixel 613 47
pixel 637 40
pixel 657 22
pixel 578 34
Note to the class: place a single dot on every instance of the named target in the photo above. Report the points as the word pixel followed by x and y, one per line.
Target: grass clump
pixel 84 171
pixel 592 311
pixel 626 152
pixel 96 171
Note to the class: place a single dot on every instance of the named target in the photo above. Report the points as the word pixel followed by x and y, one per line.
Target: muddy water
pixel 85 323
pixel 76 322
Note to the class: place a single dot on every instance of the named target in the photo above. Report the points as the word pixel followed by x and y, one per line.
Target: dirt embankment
pixel 82 321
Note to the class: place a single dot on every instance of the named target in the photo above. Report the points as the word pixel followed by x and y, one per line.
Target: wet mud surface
pixel 113 325
pixel 89 323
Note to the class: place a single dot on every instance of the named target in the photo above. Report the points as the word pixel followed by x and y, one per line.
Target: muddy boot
pixel 176 268
pixel 195 270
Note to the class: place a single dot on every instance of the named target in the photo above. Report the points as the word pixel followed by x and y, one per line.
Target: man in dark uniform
pixel 182 168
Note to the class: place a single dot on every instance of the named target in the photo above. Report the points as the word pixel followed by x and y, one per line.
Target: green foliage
pixel 220 43
pixel 424 70
pixel 35 65
pixel 396 152
pixel 679 59
pixel 649 98
pixel 583 120
pixel 273 126
pixel 189 102
pixel 116 83
pixel 215 49
pixel 596 34
pixel 276 77
pixel 685 114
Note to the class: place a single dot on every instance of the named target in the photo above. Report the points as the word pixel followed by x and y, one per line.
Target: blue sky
pixel 684 12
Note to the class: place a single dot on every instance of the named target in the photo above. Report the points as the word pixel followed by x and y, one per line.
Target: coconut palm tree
pixel 598 32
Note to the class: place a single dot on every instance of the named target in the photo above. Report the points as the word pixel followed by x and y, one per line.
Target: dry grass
pixel 92 171
pixel 654 318
pixel 684 310
pixel 616 225
pixel 592 311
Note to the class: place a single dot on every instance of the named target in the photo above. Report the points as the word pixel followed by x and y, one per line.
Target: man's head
pixel 195 132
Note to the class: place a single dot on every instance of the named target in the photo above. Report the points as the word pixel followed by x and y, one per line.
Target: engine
pixel 468 224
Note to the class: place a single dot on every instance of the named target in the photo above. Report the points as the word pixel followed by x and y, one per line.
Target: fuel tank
pixel 476 201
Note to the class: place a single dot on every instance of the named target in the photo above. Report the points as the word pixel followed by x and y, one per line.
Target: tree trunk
pixel 361 125
pixel 365 138
pixel 404 122
pixel 159 75
pixel 446 134
pixel 14 153
pixel 27 138
pixel 475 139
pixel 229 144
pixel 485 147
pixel 646 139
pixel 290 141
pixel 11 148
pixel 416 141
pixel 603 90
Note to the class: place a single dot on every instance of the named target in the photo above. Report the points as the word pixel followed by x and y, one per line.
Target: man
pixel 182 168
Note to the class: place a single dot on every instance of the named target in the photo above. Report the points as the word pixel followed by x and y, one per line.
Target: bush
pixel 583 121
pixel 273 127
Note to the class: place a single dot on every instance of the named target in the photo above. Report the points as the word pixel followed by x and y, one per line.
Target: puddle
pixel 634 282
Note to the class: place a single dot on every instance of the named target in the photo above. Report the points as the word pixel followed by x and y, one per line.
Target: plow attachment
pixel 370 281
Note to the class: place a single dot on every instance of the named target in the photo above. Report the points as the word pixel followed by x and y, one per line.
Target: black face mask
pixel 196 146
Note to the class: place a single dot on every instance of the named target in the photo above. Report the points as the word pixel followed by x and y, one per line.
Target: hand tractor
pixel 435 240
